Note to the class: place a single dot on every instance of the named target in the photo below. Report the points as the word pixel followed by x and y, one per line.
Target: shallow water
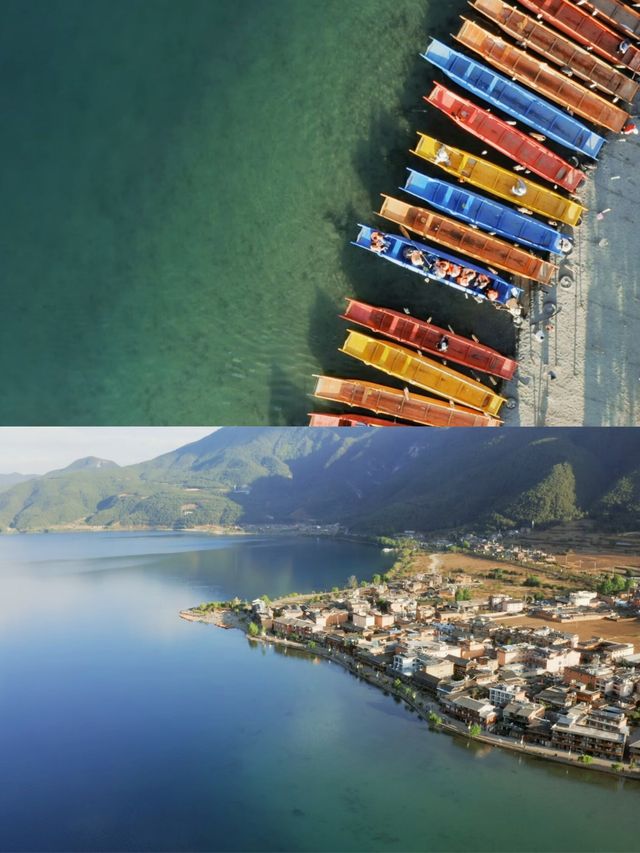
pixel 180 185
pixel 123 727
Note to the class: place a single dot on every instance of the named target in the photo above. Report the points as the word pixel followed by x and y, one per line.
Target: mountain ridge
pixel 368 480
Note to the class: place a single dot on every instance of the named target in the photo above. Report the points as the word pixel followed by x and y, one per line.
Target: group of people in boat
pixel 439 267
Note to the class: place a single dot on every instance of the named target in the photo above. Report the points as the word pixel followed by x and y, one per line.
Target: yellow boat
pixel 497 181
pixel 406 364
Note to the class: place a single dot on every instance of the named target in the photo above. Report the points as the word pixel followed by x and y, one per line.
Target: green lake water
pixel 180 181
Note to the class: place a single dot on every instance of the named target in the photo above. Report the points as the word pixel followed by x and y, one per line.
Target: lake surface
pixel 181 181
pixel 123 727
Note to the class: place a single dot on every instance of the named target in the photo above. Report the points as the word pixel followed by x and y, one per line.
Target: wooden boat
pixel 617 15
pixel 427 336
pixel 507 139
pixel 513 99
pixel 397 250
pixel 557 48
pixel 470 241
pixel 487 214
pixel 585 29
pixel 410 367
pixel 383 400
pixel 545 79
pixel 326 419
pixel 497 181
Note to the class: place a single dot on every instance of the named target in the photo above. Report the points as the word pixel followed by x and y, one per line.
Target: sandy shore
pixel 593 349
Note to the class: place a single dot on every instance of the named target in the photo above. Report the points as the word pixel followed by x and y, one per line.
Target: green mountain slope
pixel 370 480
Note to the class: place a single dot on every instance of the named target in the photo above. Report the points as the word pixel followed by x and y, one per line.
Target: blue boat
pixel 514 99
pixel 396 249
pixel 486 214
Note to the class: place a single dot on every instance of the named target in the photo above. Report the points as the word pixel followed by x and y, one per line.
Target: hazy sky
pixel 36 450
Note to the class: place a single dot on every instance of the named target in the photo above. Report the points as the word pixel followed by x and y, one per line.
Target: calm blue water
pixel 123 727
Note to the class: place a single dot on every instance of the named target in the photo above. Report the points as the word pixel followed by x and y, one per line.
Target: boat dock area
pixel 549 87
pixel 586 369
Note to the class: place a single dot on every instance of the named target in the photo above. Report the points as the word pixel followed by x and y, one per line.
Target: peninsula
pixel 486 638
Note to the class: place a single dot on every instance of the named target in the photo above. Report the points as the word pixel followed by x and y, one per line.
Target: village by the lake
pixel 484 638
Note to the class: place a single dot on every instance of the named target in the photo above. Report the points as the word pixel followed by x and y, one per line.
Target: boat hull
pixel 585 29
pixel 510 141
pixel 618 15
pixel 557 48
pixel 508 294
pixel 470 241
pixel 498 181
pixel 513 99
pixel 485 213
pixel 384 400
pixel 545 79
pixel 325 419
pixel 402 363
pixel 427 336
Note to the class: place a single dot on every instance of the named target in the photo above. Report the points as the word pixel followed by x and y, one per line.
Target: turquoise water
pixel 123 727
pixel 180 183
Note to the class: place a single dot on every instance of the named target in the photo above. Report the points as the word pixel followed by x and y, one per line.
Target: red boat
pixel 586 29
pixel 326 419
pixel 507 139
pixel 426 336
pixel 617 14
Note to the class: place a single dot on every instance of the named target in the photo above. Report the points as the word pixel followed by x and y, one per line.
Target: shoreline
pixel 204 530
pixel 585 371
pixel 423 706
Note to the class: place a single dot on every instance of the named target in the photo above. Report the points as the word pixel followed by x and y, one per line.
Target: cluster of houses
pixel 539 685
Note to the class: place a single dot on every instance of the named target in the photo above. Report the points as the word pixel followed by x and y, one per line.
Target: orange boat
pixel 545 79
pixel 585 29
pixel 426 336
pixel 519 146
pixel 397 403
pixel 617 14
pixel 556 48
pixel 476 244
pixel 318 419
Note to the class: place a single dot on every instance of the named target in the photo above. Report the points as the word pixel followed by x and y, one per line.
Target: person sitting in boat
pixel 442 156
pixel 378 242
pixel 443 344
pixel 466 277
pixel 482 281
pixel 441 268
pixel 624 46
pixel 519 188
pixel 454 271
pixel 492 294
pixel 414 256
